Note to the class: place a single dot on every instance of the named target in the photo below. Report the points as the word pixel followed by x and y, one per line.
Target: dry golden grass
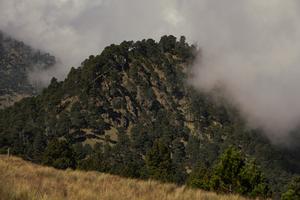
pixel 21 180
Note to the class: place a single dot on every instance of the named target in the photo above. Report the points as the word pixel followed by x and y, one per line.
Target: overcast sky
pixel 250 47
pixel 74 29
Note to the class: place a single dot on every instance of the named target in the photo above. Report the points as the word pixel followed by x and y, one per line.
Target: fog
pixel 74 29
pixel 249 48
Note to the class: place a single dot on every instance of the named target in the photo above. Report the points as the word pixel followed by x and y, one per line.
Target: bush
pixel 293 190
pixel 59 154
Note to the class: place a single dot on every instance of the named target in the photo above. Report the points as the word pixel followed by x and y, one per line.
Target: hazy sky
pixel 250 47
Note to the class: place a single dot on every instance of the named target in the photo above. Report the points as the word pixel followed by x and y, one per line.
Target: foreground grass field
pixel 21 180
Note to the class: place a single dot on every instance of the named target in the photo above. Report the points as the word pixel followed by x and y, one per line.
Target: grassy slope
pixel 23 180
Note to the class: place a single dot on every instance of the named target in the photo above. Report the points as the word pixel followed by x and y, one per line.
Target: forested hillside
pixel 16 61
pixel 129 111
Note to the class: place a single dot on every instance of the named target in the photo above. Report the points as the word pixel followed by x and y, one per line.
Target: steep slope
pixel 16 60
pixel 128 106
pixel 26 181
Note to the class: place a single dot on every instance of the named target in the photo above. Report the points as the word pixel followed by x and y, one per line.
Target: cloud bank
pixel 74 29
pixel 251 48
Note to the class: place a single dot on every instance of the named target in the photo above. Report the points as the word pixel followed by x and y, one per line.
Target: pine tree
pixel 234 173
pixel 178 159
pixel 293 190
pixel 200 177
pixel 159 163
pixel 193 150
pixel 39 145
pixel 59 154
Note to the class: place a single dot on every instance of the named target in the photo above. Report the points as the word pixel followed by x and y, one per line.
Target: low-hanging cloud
pixel 74 29
pixel 251 48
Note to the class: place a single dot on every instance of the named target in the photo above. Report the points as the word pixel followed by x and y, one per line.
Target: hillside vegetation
pixel 129 111
pixel 21 180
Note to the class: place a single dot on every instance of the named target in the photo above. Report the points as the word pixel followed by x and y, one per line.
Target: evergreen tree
pixel 64 124
pixel 39 145
pixel 59 154
pixel 140 140
pixel 200 177
pixel 233 173
pixel 159 163
pixel 193 150
pixel 178 160
pixel 252 181
pixel 125 162
pixel 77 118
pixel 293 190
pixel 226 173
pixel 167 43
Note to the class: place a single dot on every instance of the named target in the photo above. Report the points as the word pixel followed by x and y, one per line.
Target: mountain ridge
pixel 130 100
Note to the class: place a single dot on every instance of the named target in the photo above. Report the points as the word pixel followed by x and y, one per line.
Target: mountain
pixel 130 111
pixel 16 61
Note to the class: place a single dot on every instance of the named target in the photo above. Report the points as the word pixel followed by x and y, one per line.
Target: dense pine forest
pixel 131 112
